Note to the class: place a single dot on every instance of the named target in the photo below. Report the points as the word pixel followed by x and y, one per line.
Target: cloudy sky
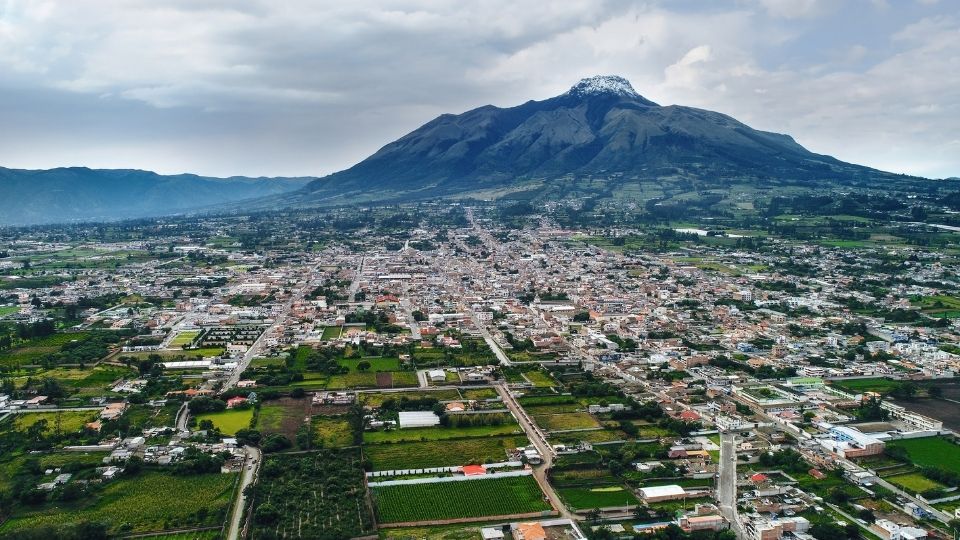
pixel 297 87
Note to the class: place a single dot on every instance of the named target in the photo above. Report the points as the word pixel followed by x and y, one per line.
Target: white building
pixel 415 419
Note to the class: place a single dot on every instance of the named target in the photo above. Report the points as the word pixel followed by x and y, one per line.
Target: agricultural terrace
pixel 284 416
pixel 441 453
pixel 936 452
pixel 462 499
pixel 229 421
pixel 149 502
pixel 311 495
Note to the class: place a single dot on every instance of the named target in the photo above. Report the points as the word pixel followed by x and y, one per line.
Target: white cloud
pixel 296 87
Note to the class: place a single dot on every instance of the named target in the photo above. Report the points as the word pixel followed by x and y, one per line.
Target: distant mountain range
pixel 600 128
pixel 600 138
pixel 77 193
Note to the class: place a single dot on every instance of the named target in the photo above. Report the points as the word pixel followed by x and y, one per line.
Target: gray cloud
pixel 296 87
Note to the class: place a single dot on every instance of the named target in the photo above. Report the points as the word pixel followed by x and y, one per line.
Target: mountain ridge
pixel 600 127
pixel 64 194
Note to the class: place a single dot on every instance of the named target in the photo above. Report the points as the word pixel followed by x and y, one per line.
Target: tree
pixel 363 365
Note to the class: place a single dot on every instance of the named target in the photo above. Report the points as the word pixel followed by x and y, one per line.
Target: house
pixel 529 531
pixel 436 375
pixel 473 470
pixel 234 401
pixel 456 406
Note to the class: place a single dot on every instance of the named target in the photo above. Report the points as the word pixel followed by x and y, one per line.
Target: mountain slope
pixel 78 193
pixel 600 128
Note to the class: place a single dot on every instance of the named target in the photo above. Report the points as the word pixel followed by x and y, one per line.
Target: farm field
pixel 283 416
pixel 561 422
pixel 331 431
pixel 70 421
pixel 582 498
pixel 148 502
pixel 311 495
pixel 229 421
pixel 479 393
pixel 33 350
pixel 437 433
pixel 8 310
pixel 463 499
pixel 417 455
pixel 375 399
pixel 931 452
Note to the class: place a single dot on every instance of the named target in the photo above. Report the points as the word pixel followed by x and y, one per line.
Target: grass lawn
pixel 931 452
pixel 464 499
pixel 560 422
pixel 70 421
pixel 437 433
pixel 581 498
pixel 331 332
pixel 446 453
pixel 331 432
pixel 229 421
pixel 148 502
pixel 914 482
pixel 8 310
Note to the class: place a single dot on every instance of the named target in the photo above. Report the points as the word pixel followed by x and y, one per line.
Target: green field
pixel 148 502
pixel 33 350
pixel 331 432
pixel 8 310
pixel 914 482
pixel 70 421
pixel 582 498
pixel 331 332
pixel 415 455
pixel 931 452
pixel 939 306
pixel 871 384
pixel 565 421
pixel 479 393
pixel 184 338
pixel 229 421
pixel 375 399
pixel 540 379
pixel 464 499
pixel 437 433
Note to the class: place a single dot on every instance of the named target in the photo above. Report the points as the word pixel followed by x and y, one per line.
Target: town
pixel 442 371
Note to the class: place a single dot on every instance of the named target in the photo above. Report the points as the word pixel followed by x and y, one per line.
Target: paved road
pixel 539 440
pixel 727 489
pixel 254 349
pixel 414 326
pixel 352 294
pixel 251 466
pixel 494 346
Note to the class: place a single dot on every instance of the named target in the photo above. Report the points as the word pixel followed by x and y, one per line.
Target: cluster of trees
pixel 468 420
pixel 376 319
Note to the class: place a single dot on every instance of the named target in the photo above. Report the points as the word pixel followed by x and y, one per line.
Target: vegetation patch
pixel 311 495
pixel 228 422
pixel 464 499
pixel 148 502
pixel 416 455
